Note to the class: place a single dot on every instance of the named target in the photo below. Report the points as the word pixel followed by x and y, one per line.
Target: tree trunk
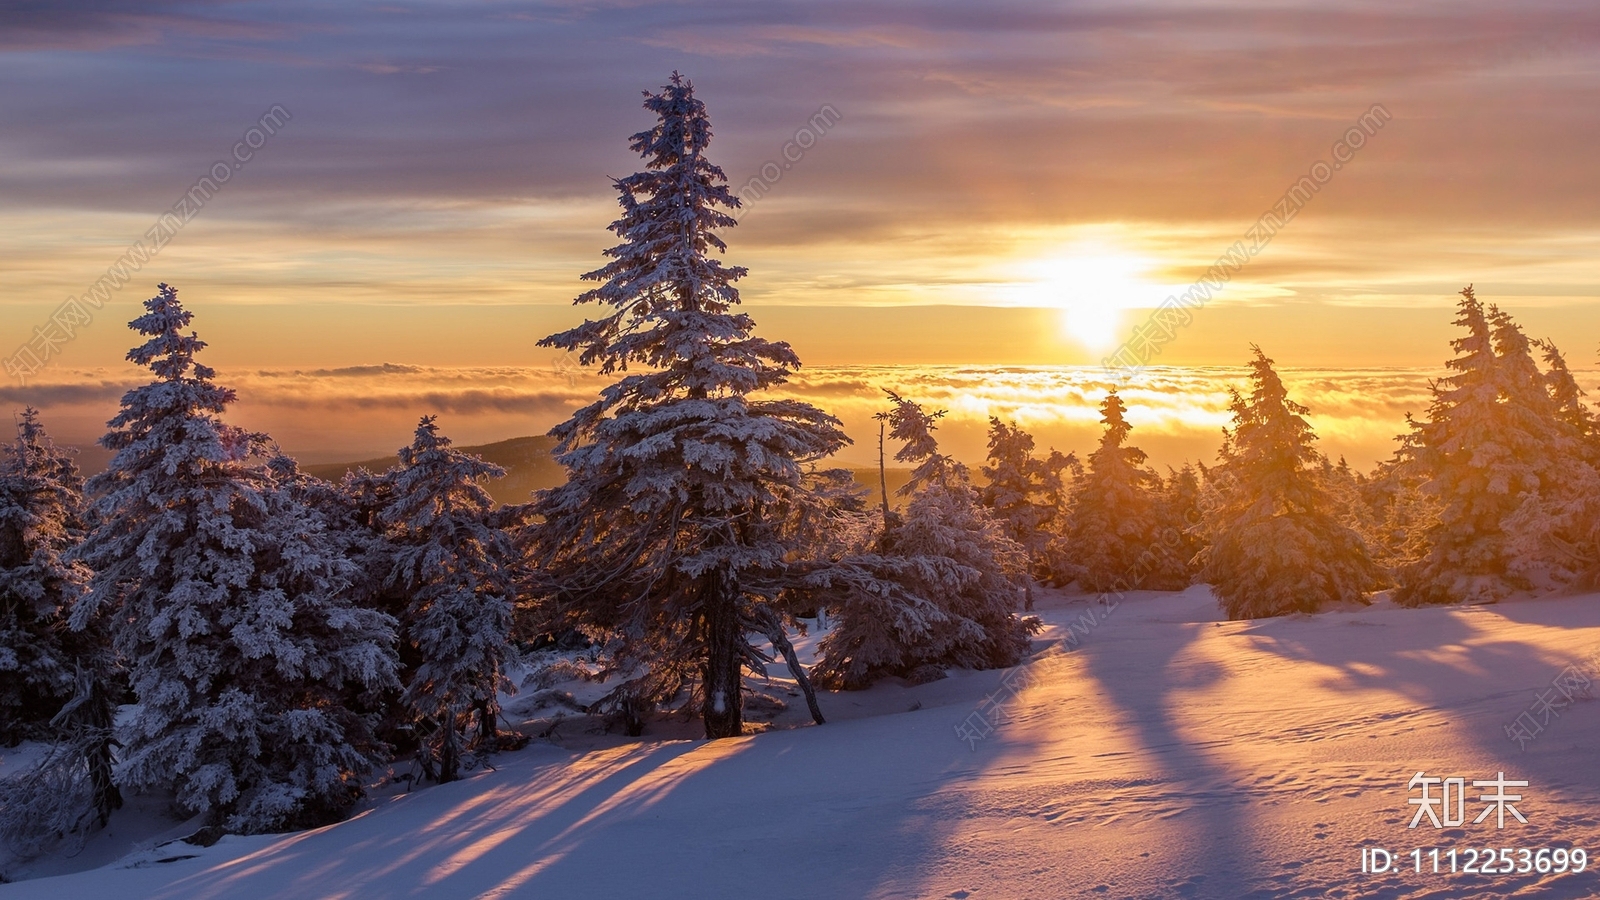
pixel 101 716
pixel 487 740
pixel 883 475
pixel 632 710
pixel 781 642
pixel 90 717
pixel 449 750
pixel 722 685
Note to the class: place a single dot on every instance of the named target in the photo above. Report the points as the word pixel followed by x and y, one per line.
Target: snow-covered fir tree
pixel 41 501
pixel 1399 511
pixel 1459 450
pixel 1112 531
pixel 1178 539
pixel 1550 533
pixel 56 683
pixel 1059 476
pixel 913 427
pixel 230 612
pixel 1504 472
pixel 1012 489
pixel 1574 536
pixel 455 569
pixel 939 586
pixel 1025 492
pixel 1570 407
pixel 1344 486
pixel 1276 543
pixel 662 538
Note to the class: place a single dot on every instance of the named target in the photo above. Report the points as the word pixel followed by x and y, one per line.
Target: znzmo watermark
pixel 1176 311
pixel 78 311
pixel 794 150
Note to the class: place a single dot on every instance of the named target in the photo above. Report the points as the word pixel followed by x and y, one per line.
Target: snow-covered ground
pixel 1169 755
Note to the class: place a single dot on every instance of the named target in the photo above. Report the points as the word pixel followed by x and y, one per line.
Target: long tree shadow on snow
pixel 1135 669
pixel 455 840
pixel 1094 774
pixel 731 818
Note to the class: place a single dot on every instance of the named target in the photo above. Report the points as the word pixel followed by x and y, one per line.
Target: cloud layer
pixel 1177 413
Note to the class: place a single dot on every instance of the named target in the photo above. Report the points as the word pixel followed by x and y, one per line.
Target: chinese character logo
pixel 1448 808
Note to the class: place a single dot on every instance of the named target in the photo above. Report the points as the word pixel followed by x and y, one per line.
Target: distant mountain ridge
pixel 527 460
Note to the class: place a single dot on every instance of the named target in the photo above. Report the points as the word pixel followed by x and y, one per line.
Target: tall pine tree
pixel 221 596
pixel 662 536
pixel 1276 541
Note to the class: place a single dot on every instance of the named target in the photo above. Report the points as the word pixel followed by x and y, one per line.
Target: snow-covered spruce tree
pixel 1059 476
pixel 1024 492
pixel 41 500
pixel 1570 408
pixel 344 522
pixel 1576 539
pixel 1011 493
pixel 1399 510
pixel 347 516
pixel 56 683
pixel 1344 486
pixel 1458 451
pixel 454 568
pixel 228 609
pixel 1112 520
pixel 1276 543
pixel 1496 459
pixel 1550 535
pixel 352 511
pixel 940 587
pixel 662 536
pixel 1177 537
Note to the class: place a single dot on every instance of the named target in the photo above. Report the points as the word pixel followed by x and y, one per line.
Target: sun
pixel 1092 283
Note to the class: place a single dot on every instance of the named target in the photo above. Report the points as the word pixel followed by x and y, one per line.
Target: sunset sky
pixel 999 185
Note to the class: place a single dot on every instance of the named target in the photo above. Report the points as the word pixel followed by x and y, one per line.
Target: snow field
pixel 1170 755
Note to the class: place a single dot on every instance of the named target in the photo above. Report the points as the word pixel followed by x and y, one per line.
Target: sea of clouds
pixel 1178 413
